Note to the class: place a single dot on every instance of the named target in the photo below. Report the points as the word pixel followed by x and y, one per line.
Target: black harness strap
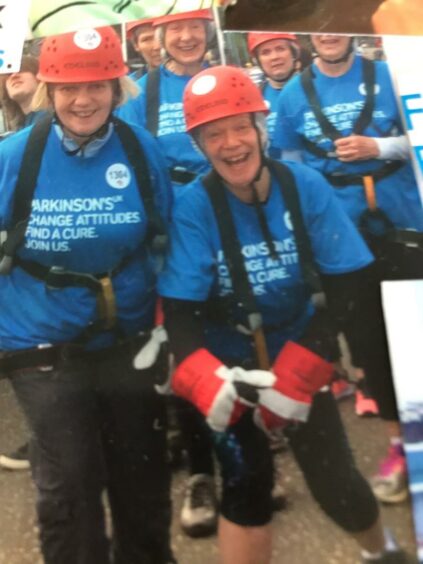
pixel 290 196
pixel 156 234
pixel 231 246
pixel 25 185
pixel 327 127
pixel 152 101
pixel 24 192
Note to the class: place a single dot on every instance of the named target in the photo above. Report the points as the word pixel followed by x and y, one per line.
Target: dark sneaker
pixel 17 460
pixel 199 509
pixel 393 554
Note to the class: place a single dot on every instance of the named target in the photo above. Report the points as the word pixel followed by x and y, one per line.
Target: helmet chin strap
pixel 256 200
pixel 342 59
pixel 102 130
pixel 285 79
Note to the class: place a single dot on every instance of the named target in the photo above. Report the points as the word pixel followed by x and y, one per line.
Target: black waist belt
pixel 58 277
pixel 182 176
pixel 51 356
pixel 38 357
pixel 407 237
pixel 343 180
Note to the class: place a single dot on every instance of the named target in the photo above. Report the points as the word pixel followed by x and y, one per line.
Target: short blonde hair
pixel 43 101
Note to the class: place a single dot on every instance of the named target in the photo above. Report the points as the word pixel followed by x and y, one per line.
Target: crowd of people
pixel 179 242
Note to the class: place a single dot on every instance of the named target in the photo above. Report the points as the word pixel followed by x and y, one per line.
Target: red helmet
pixel 193 15
pixel 257 38
pixel 132 26
pixel 220 92
pixel 86 55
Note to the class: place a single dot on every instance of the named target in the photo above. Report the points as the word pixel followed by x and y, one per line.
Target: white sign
pixel 403 57
pixel 13 28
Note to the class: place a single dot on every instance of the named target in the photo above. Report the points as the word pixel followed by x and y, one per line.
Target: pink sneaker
pixel 365 406
pixel 390 484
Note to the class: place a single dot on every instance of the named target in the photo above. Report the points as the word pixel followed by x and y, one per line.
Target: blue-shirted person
pixel 278 56
pixel 185 39
pixel 341 117
pixel 77 292
pixel 144 40
pixel 238 254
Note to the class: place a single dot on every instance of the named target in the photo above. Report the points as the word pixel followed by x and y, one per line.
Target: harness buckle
pixel 106 302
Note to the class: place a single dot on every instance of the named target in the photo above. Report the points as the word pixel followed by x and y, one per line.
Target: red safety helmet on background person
pixel 86 55
pixel 132 26
pixel 255 39
pixel 219 92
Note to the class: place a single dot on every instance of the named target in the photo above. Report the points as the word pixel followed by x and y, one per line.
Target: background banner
pixel 13 28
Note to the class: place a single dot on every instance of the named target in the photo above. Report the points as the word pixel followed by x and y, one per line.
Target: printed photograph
pixel 194 366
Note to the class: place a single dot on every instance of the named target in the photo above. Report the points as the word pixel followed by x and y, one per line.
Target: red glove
pixel 300 374
pixel 214 388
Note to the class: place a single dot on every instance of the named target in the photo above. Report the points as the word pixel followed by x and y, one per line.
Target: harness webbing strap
pixel 152 101
pixel 231 246
pixel 26 182
pixel 327 127
pixel 369 191
pixel 290 196
pixel 230 243
pixel 138 162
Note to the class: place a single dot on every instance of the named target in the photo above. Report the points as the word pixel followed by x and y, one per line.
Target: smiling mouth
pixel 236 161
pixel 84 115
pixel 188 48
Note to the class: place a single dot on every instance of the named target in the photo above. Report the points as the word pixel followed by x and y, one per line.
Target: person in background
pixel 16 93
pixel 185 39
pixel 78 294
pixel 144 41
pixel 341 117
pixel 278 56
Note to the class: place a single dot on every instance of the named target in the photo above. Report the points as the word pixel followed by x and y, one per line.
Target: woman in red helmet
pixel 247 242
pixel 278 56
pixel 84 197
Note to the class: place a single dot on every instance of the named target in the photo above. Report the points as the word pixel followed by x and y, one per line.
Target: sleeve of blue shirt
pixel 133 111
pixel 338 247
pixel 190 267
pixel 160 180
pixel 285 136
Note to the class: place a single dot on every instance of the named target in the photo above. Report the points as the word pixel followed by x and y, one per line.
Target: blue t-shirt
pixel 342 99
pixel 271 95
pixel 196 269
pixel 87 216
pixel 176 144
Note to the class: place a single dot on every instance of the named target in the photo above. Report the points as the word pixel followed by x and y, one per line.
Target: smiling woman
pixel 95 198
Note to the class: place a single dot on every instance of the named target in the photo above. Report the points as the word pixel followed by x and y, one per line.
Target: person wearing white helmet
pixel 250 241
pixel 85 199
pixel 341 117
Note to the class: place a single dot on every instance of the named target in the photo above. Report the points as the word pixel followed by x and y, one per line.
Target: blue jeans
pixel 98 427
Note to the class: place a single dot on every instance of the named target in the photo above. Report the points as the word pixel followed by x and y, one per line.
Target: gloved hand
pixel 220 393
pixel 300 373
pixel 147 356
